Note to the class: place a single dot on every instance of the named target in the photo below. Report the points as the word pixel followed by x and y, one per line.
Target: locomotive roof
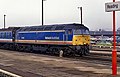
pixel 53 27
pixel 10 29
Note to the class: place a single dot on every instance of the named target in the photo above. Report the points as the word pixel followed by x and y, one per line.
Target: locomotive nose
pixel 81 40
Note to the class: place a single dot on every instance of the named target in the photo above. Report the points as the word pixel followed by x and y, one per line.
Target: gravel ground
pixel 37 65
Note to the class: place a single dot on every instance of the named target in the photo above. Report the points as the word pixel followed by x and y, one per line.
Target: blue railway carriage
pixel 70 38
pixel 7 37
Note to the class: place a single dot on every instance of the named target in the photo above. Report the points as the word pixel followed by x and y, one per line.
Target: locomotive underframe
pixel 53 49
pixel 47 49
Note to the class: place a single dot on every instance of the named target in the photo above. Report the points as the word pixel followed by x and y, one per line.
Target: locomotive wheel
pixel 55 51
pixel 86 50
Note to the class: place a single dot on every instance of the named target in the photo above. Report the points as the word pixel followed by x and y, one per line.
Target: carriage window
pixel 4 35
pixel 0 35
pixel 8 34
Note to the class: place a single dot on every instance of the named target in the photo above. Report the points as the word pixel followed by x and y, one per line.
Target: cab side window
pixel 69 32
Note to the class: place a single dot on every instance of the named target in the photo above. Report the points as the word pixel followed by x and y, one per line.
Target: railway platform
pixel 38 65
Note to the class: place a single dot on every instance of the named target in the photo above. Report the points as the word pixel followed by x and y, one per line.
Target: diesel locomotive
pixel 72 39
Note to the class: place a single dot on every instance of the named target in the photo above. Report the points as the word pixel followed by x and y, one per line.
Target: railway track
pixel 103 48
pixel 104 53
pixel 98 57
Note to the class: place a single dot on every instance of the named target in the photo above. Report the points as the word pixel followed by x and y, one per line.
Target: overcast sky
pixel 28 12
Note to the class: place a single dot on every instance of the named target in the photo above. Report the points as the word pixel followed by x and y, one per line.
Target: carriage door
pixel 68 34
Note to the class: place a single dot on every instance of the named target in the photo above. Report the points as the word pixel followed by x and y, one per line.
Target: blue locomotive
pixel 70 38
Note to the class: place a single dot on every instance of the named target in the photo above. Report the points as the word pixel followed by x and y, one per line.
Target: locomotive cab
pixel 81 37
pixel 81 41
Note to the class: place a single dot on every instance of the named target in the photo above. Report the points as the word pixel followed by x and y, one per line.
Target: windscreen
pixel 81 31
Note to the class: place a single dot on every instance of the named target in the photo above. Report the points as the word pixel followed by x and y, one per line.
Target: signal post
pixel 113 6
